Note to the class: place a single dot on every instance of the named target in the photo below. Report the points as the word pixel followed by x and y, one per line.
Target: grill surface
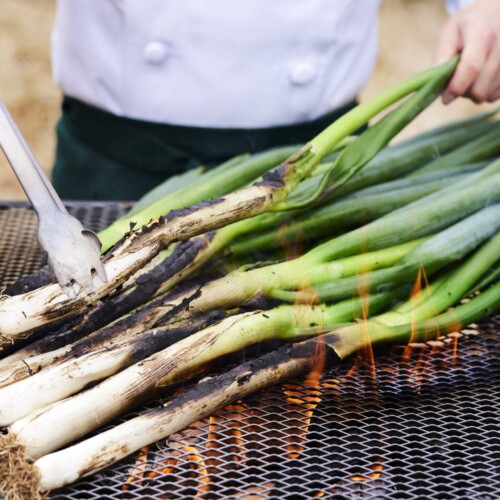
pixel 421 423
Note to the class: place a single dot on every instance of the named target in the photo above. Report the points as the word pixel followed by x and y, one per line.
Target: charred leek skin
pixel 83 365
pixel 229 176
pixel 185 358
pixel 89 456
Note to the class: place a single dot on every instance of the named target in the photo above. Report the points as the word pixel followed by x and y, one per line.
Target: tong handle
pixel 32 178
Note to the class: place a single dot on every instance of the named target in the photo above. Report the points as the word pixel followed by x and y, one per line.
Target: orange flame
pixel 298 399
pixel 291 248
pixel 366 357
pixel 138 471
pixel 377 469
pixel 238 445
pixel 199 466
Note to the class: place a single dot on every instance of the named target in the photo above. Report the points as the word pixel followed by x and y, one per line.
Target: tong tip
pixel 77 272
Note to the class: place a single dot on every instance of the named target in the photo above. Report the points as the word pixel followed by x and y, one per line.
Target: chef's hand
pixel 473 31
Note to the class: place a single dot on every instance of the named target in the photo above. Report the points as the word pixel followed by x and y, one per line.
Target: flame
pixel 377 469
pixel 139 468
pixel 185 452
pixel 291 248
pixel 199 466
pixel 212 453
pixel 171 464
pixel 415 292
pixel 299 399
pixel 235 420
pixel 235 417
pixel 454 336
pixel 419 294
pixel 255 492
pixel 366 357
pixel 416 296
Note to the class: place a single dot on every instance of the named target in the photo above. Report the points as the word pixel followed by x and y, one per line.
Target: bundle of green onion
pixel 328 244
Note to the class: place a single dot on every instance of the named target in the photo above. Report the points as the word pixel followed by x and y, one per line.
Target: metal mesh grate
pixel 419 423
pixel 20 253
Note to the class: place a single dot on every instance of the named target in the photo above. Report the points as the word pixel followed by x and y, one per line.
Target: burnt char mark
pixel 160 339
pixel 40 335
pixel 63 311
pixel 242 374
pixel 181 212
pixel 112 308
pixel 141 317
pixel 184 254
pixel 40 278
pixel 98 463
pixel 275 178
pixel 152 226
pixel 310 349
pixel 181 307
pixel 132 236
pixel 258 301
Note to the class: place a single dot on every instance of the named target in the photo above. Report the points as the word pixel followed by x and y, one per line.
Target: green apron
pixel 101 156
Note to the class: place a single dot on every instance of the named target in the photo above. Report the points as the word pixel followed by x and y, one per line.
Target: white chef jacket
pixel 216 63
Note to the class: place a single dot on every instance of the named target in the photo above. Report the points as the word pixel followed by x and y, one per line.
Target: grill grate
pixel 20 253
pixel 420 423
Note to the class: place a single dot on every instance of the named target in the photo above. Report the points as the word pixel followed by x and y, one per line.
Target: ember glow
pixel 377 469
pixel 364 291
pixel 138 471
pixel 299 400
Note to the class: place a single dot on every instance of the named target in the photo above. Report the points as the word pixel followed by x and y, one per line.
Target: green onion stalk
pixel 69 376
pixel 340 215
pixel 21 314
pixel 189 189
pixel 448 246
pixel 315 274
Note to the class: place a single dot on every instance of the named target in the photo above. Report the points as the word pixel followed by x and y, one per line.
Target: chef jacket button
pixel 155 52
pixel 302 73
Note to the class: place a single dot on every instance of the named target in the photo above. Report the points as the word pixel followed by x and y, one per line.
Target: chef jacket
pixel 216 63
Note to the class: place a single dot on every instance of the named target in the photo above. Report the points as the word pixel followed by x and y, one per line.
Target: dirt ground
pixel 408 32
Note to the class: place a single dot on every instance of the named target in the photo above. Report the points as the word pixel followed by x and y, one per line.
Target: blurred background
pixel 408 33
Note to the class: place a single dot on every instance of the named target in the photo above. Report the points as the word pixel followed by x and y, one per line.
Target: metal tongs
pixel 73 251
